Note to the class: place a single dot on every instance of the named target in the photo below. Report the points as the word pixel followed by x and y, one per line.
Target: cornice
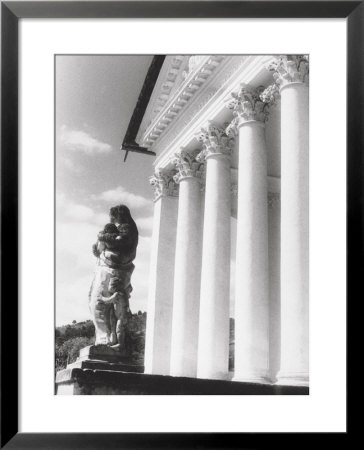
pixel 209 102
pixel 188 89
pixel 169 76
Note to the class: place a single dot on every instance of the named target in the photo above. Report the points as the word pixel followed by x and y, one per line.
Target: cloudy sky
pixel 95 97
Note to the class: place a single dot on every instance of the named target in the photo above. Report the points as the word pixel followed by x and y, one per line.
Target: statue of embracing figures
pixel 110 290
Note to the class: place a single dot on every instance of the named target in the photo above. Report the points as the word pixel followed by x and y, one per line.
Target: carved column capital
pixel 187 166
pixel 214 141
pixel 163 184
pixel 247 105
pixel 290 69
pixel 271 95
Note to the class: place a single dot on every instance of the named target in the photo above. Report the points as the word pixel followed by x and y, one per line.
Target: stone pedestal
pixel 102 353
pixel 100 359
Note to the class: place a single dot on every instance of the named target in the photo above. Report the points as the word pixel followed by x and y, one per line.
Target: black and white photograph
pixel 181 224
pixel 184 183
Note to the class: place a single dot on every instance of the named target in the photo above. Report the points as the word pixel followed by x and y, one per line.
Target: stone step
pixel 82 381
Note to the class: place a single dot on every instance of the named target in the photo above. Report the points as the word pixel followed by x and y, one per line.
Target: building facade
pixel 230 135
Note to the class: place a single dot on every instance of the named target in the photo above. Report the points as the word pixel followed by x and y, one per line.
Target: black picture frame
pixel 11 12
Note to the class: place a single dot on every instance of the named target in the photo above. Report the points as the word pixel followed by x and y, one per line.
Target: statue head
pixel 120 214
pixel 111 228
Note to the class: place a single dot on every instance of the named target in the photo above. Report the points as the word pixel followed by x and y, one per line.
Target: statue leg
pixel 121 309
pixel 114 285
pixel 99 310
pixel 120 282
pixel 113 323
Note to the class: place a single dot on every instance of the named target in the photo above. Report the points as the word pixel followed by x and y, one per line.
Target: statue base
pixel 100 359
pixel 103 353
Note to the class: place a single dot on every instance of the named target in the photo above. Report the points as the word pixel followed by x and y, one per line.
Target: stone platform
pixel 101 353
pixel 93 359
pixel 100 370
pixel 93 378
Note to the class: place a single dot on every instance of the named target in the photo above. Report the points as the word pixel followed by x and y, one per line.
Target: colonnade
pixel 189 298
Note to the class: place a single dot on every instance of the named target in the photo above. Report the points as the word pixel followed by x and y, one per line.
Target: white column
pixel 252 275
pixel 213 345
pixel 274 251
pixel 187 274
pixel 160 296
pixel 291 75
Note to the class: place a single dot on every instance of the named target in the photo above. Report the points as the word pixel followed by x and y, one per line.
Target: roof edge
pixel 129 144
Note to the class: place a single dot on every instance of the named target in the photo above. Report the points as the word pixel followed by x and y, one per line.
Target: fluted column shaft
pixel 252 276
pixel 187 277
pixel 294 235
pixel 290 74
pixel 161 272
pixel 252 266
pixel 213 345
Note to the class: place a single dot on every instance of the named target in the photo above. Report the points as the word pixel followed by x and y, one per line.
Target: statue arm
pixel 95 250
pixel 108 300
pixel 109 238
pixel 116 240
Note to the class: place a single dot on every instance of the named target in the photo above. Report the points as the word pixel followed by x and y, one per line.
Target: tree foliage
pixel 70 339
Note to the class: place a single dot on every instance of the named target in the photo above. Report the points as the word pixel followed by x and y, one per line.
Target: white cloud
pixel 75 265
pixel 76 212
pixel 120 195
pixel 69 164
pixel 60 199
pixel 76 231
pixel 81 141
pixel 72 300
pixel 101 219
pixel 79 212
pixel 74 240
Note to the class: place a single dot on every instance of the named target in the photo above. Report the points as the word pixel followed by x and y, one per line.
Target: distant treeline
pixel 71 338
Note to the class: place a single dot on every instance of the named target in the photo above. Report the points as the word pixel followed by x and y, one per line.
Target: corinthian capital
pixel 246 105
pixel 163 184
pixel 214 141
pixel 187 165
pixel 290 69
pixel 270 95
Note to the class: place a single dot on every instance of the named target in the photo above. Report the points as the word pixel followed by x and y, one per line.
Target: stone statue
pixel 110 290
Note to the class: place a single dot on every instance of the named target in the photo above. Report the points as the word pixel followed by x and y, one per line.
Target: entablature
pixel 208 102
